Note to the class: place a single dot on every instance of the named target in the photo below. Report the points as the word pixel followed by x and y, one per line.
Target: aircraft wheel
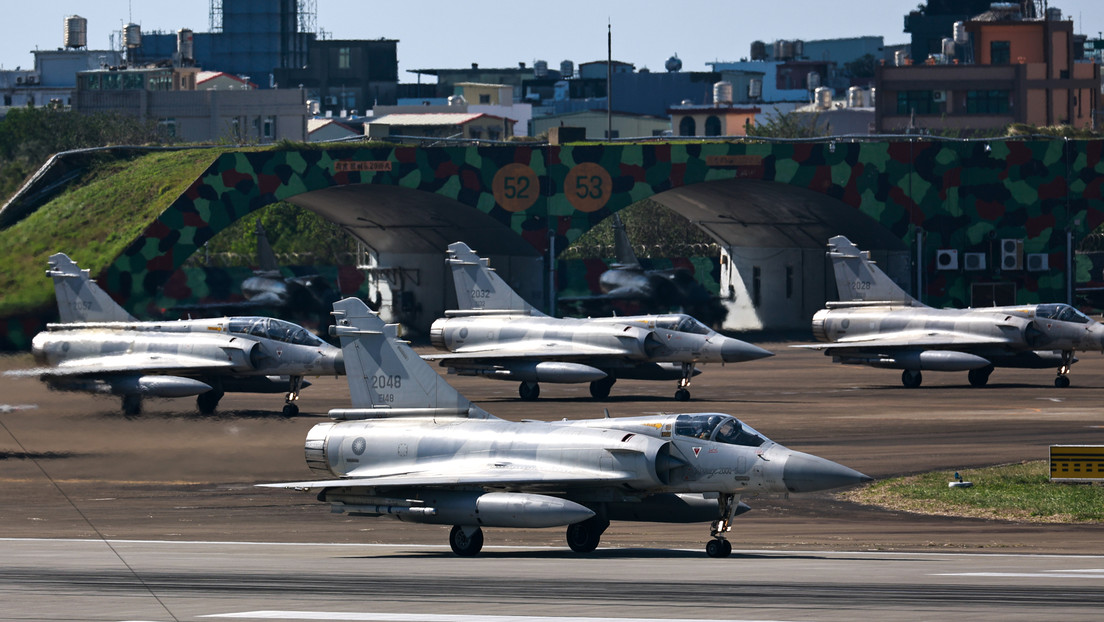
pixel 718 547
pixel 291 410
pixel 682 395
pixel 911 378
pixel 207 402
pixel 529 391
pixel 584 537
pixel 980 377
pixel 1062 382
pixel 132 404
pixel 600 389
pixel 465 545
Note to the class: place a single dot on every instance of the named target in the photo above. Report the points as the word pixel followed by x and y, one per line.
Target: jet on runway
pixel 412 448
pixel 876 323
pixel 100 348
pixel 496 334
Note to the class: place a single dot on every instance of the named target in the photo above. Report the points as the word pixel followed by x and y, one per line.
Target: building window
pixel 344 58
pixel 789 281
pixel 987 102
pixel 493 133
pixel 687 127
pixel 615 134
pixel 484 98
pixel 269 129
pixel 712 126
pixel 919 102
pixel 1000 52
pixel 475 132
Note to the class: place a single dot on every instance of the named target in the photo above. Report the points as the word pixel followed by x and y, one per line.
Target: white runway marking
pixel 1090 573
pixel 338 616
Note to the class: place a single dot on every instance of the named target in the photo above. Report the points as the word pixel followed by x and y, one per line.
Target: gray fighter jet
pixel 876 323
pixel 98 347
pixel 413 448
pixel 496 334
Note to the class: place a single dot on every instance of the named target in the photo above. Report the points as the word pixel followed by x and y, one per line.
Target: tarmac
pixel 76 470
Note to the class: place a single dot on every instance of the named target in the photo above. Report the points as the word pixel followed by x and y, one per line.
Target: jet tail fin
pixel 622 248
pixel 386 377
pixel 478 287
pixel 859 280
pixel 266 258
pixel 79 298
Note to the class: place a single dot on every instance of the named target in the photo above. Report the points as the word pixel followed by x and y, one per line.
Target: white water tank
pixel 900 58
pixel 185 44
pixel 854 97
pixel 132 36
pixel 961 37
pixel 76 32
pixel 722 93
pixel 812 80
pixel 823 97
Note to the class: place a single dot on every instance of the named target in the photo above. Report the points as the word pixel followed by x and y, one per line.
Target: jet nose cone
pixel 736 351
pixel 809 473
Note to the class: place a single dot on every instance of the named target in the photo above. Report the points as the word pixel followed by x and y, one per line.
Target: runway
pixel 147 580
pixel 172 492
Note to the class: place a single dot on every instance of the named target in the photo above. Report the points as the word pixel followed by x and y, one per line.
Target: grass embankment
pixel 92 221
pixel 1020 492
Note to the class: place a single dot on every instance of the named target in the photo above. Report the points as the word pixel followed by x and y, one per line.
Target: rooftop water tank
pixel 673 64
pixel 567 69
pixel 540 69
pixel 961 37
pixel 948 47
pixel 854 97
pixel 185 44
pixel 76 32
pixel 132 35
pixel 722 93
pixel 812 80
pixel 823 97
pixel 758 50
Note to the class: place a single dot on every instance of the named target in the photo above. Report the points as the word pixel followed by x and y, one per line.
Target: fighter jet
pixel 100 348
pixel 653 290
pixel 412 448
pixel 496 334
pixel 876 323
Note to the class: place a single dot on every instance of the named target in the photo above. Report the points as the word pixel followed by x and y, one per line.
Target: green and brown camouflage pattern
pixel 960 194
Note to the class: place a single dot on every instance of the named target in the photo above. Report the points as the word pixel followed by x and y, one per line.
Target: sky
pixel 453 34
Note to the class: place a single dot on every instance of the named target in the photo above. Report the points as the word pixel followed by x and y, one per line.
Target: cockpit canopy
pixel 1061 313
pixel 271 328
pixel 718 428
pixel 682 323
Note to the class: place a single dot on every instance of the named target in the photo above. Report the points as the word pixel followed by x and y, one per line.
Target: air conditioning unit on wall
pixel 1038 262
pixel 974 261
pixel 946 259
pixel 1011 254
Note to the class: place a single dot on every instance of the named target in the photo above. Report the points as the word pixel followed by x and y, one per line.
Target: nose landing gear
pixel 1063 381
pixel 719 546
pixel 682 394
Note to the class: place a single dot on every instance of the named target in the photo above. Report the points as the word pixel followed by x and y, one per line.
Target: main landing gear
pixel 584 537
pixel 719 546
pixel 529 391
pixel 600 389
pixel 911 378
pixel 290 408
pixel 980 377
pixel 682 394
pixel 1063 381
pixel 132 405
pixel 465 540
pixel 208 402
